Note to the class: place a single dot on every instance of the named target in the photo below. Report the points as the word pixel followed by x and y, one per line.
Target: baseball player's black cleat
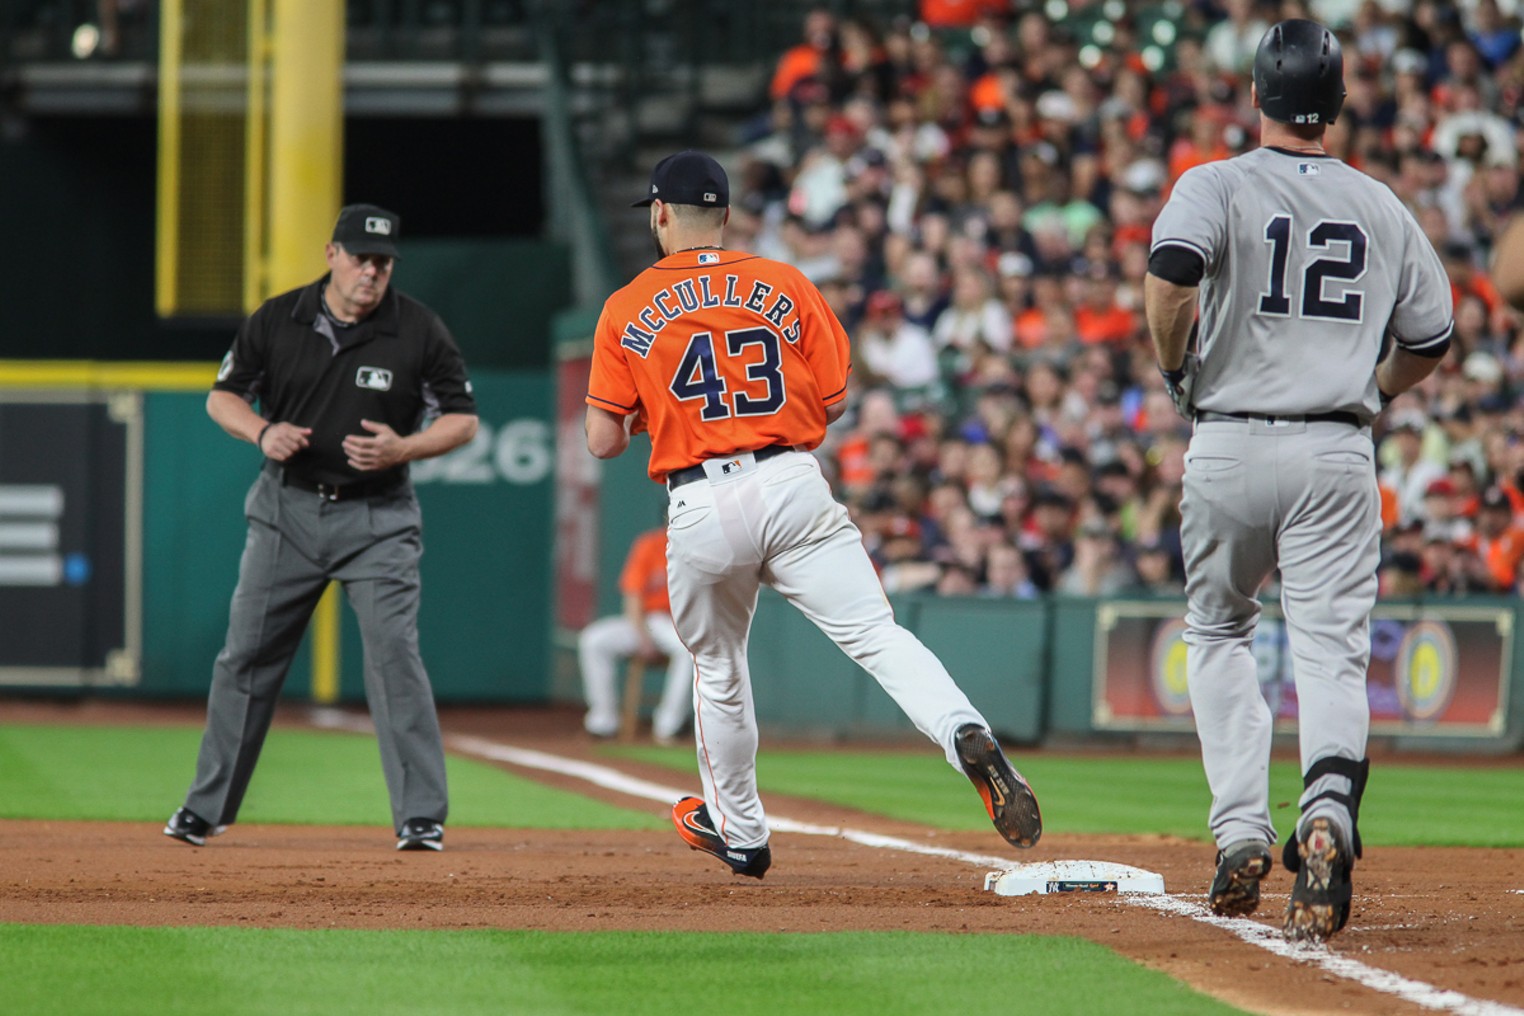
pixel 1322 892
pixel 1235 889
pixel 420 834
pixel 691 816
pixel 188 827
pixel 1007 796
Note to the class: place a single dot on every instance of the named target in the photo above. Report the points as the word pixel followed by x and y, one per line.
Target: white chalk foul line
pixel 1419 993
pixel 1269 939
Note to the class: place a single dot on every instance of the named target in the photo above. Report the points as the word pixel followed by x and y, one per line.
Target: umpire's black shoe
pixel 1235 889
pixel 1007 797
pixel 188 827
pixel 1321 895
pixel 421 834
pixel 691 816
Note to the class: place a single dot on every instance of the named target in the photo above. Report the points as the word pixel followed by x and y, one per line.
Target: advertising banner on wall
pixel 577 486
pixel 1435 670
pixel 71 502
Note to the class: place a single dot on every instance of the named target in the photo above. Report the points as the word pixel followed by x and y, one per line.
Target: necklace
pixel 711 246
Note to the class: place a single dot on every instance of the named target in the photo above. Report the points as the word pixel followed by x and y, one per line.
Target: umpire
pixel 346 371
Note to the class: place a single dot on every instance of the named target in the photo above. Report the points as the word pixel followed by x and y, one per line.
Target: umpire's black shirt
pixel 397 366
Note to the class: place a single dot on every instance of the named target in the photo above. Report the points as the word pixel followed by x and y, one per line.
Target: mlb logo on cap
pixel 688 178
pixel 367 229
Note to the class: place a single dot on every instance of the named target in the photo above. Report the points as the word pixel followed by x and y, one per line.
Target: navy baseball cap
pixel 368 229
pixel 688 178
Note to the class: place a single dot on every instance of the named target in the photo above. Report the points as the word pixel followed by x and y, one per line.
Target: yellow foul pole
pixel 302 184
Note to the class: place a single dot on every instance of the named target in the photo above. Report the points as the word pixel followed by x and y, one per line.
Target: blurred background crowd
pixel 974 190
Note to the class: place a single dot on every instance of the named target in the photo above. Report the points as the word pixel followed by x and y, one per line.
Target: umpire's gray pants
pixel 1301 497
pixel 296 543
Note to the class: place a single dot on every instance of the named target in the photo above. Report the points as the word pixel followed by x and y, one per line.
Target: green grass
pixel 122 971
pixel 304 777
pixel 1131 794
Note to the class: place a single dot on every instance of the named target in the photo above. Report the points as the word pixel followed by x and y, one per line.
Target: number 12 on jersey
pixel 1346 243
pixel 698 376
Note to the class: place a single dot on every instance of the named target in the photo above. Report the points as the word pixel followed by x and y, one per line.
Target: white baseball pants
pixel 601 646
pixel 776 522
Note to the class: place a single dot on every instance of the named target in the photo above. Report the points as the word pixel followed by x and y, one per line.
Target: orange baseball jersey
pixel 719 352
pixel 645 572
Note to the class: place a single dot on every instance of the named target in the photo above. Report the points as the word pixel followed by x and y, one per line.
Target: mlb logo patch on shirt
pixel 709 259
pixel 377 379
pixel 1308 169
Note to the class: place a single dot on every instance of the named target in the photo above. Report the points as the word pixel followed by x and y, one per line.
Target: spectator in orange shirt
pixel 1500 543
pixel 812 58
pixel 1100 318
pixel 643 631
pixel 961 13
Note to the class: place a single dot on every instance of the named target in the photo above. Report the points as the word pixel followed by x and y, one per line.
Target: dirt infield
pixel 1451 918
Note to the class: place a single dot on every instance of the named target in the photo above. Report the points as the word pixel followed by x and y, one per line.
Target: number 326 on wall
pixel 518 452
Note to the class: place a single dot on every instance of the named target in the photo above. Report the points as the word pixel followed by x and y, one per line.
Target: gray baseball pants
pixel 1300 496
pixel 296 543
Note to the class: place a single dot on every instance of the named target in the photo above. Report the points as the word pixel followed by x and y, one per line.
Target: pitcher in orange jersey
pixel 735 365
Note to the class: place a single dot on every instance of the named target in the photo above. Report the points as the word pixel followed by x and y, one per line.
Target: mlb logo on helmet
pixel 378 224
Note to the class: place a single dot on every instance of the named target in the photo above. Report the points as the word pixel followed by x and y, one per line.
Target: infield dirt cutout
pixel 1449 917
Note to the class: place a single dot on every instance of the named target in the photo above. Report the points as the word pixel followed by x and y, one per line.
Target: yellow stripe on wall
pixel 145 375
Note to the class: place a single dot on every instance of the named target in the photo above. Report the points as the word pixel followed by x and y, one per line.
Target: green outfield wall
pixel 486 567
pixel 1445 674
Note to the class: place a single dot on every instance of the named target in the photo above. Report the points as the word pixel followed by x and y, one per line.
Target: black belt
pixel 1209 416
pixel 344 491
pixel 678 477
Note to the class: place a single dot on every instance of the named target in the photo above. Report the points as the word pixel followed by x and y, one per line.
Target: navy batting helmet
pixel 1299 73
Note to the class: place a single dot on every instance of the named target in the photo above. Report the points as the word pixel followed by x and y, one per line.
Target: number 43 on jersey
pixel 699 377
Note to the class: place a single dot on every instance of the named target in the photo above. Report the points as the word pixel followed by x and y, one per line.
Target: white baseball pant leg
pixel 778 523
pixel 600 647
pixel 676 705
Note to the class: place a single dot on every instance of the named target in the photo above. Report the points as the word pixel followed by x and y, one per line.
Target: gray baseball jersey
pixel 1309 265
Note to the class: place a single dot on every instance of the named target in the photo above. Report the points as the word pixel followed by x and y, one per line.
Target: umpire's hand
pixel 382 448
pixel 280 441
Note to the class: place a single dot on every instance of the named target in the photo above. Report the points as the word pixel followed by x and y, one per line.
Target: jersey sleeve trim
pixel 620 408
pixel 835 396
pixel 1174 241
pixel 1434 346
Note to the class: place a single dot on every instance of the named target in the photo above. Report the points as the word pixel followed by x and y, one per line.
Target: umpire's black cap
pixel 1299 73
pixel 688 178
pixel 368 229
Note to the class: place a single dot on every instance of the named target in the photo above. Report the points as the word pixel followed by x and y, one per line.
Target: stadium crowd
pixel 973 191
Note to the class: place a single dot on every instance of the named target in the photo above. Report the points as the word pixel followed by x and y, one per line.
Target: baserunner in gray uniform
pixel 345 372
pixel 1304 271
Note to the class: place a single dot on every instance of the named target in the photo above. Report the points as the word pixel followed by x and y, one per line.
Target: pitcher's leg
pixel 833 582
pixel 714 614
pixel 600 646
pixel 272 603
